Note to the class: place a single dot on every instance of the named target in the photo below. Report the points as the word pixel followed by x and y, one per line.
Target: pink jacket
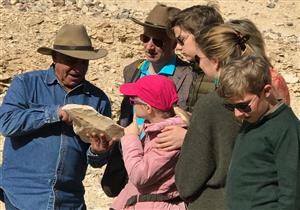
pixel 281 90
pixel 150 171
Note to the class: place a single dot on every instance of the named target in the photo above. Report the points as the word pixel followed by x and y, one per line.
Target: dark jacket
pixel 265 169
pixel 205 154
pixel 201 86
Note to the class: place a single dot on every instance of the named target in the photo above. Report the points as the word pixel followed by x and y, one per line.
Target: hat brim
pixel 148 24
pixel 129 89
pixel 81 54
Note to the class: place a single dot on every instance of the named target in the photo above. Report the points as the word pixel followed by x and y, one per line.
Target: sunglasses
pixel 242 107
pixel 157 42
pixel 134 101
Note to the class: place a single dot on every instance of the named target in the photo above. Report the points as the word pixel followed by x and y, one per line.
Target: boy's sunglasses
pixel 242 107
pixel 134 101
pixel 158 42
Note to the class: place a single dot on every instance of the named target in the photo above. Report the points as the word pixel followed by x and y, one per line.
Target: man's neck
pixel 157 66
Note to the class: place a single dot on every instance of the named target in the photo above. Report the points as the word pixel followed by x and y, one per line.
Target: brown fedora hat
pixel 158 17
pixel 73 40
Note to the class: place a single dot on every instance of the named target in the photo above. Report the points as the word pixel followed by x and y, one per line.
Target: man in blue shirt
pixel 44 161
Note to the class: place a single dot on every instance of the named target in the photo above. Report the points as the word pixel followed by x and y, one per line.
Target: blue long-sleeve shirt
pixel 44 161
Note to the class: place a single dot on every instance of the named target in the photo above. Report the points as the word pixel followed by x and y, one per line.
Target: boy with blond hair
pixel 265 166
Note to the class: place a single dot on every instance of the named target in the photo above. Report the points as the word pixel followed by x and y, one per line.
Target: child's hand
pixel 99 143
pixel 132 128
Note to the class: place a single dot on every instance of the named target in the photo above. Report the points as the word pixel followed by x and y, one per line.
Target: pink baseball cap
pixel 156 90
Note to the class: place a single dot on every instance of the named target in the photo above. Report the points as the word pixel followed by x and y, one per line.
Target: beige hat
pixel 73 40
pixel 158 17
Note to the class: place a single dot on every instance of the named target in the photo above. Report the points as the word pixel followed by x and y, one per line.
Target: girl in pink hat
pixel 151 183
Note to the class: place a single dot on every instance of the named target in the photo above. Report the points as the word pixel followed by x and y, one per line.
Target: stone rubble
pixel 26 25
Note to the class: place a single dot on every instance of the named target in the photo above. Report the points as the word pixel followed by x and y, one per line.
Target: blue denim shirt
pixel 44 161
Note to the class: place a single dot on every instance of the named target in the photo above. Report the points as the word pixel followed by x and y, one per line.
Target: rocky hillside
pixel 26 25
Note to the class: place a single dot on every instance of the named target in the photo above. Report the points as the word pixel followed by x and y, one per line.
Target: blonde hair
pixel 256 40
pixel 243 75
pixel 223 42
pixel 175 111
pixel 164 114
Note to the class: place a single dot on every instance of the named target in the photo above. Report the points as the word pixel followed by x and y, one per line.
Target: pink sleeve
pixel 146 166
pixel 280 87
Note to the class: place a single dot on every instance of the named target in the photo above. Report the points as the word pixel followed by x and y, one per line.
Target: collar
pixel 153 127
pixel 168 69
pixel 51 79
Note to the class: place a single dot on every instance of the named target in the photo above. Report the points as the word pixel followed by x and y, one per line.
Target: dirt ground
pixel 26 25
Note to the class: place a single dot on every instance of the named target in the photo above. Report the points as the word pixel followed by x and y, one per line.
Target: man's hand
pixel 99 143
pixel 64 116
pixel 170 138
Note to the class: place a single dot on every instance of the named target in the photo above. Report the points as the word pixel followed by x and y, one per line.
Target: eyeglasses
pixel 134 101
pixel 180 40
pixel 242 107
pixel 157 42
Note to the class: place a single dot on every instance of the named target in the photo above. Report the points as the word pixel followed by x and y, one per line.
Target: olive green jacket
pixel 201 170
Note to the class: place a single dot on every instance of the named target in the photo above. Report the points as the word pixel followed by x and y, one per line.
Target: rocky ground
pixel 26 25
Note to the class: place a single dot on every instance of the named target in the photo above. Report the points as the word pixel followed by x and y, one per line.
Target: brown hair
pixel 248 74
pixel 194 18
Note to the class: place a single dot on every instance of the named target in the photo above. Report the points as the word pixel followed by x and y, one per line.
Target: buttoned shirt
pixel 44 161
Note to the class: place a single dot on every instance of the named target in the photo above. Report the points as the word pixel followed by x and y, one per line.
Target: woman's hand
pixel 170 138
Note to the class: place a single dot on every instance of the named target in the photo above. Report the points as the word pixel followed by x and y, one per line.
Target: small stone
pixel 84 9
pixel 13 2
pixel 271 5
pixel 290 78
pixel 58 3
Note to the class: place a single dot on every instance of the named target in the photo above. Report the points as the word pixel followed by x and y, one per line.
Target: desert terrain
pixel 26 25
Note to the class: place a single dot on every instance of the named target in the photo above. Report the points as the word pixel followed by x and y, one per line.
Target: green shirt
pixel 265 167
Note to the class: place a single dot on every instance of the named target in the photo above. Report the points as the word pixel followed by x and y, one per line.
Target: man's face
pixel 186 43
pixel 69 71
pixel 250 108
pixel 154 53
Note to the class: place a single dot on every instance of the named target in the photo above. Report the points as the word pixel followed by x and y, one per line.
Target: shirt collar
pixel 50 77
pixel 168 69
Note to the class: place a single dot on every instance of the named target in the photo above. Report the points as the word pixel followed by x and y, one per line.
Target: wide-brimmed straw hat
pixel 73 40
pixel 158 17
